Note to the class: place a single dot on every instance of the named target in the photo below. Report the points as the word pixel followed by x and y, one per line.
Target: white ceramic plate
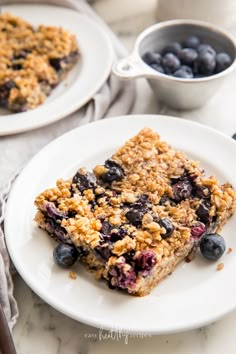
pixel 81 83
pixel 194 295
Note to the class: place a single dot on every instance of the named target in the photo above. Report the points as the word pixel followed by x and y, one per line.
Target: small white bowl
pixel 176 92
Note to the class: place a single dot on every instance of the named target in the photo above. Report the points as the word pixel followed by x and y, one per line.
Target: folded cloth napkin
pixel 114 98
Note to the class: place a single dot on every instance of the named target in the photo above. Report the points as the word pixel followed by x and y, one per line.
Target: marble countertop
pixel 41 329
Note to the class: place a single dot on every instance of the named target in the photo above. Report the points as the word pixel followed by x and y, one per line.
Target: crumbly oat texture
pixel 137 216
pixel 33 61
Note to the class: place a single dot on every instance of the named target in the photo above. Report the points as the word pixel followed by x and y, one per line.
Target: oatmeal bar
pixel 33 61
pixel 138 215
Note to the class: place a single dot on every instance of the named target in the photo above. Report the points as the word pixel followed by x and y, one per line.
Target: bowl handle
pixel 132 67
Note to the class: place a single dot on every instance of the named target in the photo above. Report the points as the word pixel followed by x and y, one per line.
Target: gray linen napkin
pixel 114 98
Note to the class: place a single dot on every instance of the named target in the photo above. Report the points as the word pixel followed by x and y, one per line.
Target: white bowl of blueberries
pixel 185 61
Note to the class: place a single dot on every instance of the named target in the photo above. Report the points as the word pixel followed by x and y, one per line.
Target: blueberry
pixel 192 42
pixel 84 181
pixel 5 90
pixel 56 63
pixel 17 66
pixel 164 199
pixel 102 253
pixel 146 260
pixel 158 67
pixel 54 213
pixel 118 234
pixel 170 63
pixel 115 172
pixel 137 210
pixel 212 246
pixel 129 257
pixel 182 190
pixel 106 228
pixel 65 255
pixel 205 48
pixel 141 202
pixel 125 279
pixel 197 230
pixel 234 136
pixel 152 58
pixel 122 277
pixel 201 191
pixel 168 226
pixel 135 217
pixel 223 61
pixel 203 211
pixel 188 56
pixel 174 48
pixel 205 63
pixel 184 72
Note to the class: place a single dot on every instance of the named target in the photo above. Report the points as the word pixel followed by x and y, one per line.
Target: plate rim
pixel 98 322
pixel 9 130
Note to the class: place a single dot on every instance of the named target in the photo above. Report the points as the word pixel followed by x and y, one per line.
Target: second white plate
pixel 82 82
pixel 194 295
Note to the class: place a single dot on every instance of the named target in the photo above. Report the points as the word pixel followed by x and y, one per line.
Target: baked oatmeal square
pixel 137 216
pixel 33 61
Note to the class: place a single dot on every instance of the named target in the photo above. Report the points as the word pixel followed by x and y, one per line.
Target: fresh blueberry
pixel 158 68
pixel 84 181
pixel 184 72
pixel 203 211
pixel 234 136
pixel 192 42
pixel 168 226
pixel 170 63
pixel 152 58
pixel 223 61
pixel 205 48
pixel 182 190
pixel 146 260
pixel 174 48
pixel 205 63
pixel 65 255
pixel 197 230
pixel 187 56
pixel 212 246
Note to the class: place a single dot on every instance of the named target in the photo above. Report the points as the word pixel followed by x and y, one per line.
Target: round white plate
pixel 194 295
pixel 82 82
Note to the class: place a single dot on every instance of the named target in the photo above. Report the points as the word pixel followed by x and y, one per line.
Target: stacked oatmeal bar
pixel 137 216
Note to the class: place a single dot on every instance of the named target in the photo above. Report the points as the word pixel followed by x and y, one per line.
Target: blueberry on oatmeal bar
pixel 33 61
pixel 136 217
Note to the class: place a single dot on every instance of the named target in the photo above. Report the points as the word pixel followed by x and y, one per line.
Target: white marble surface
pixel 43 330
